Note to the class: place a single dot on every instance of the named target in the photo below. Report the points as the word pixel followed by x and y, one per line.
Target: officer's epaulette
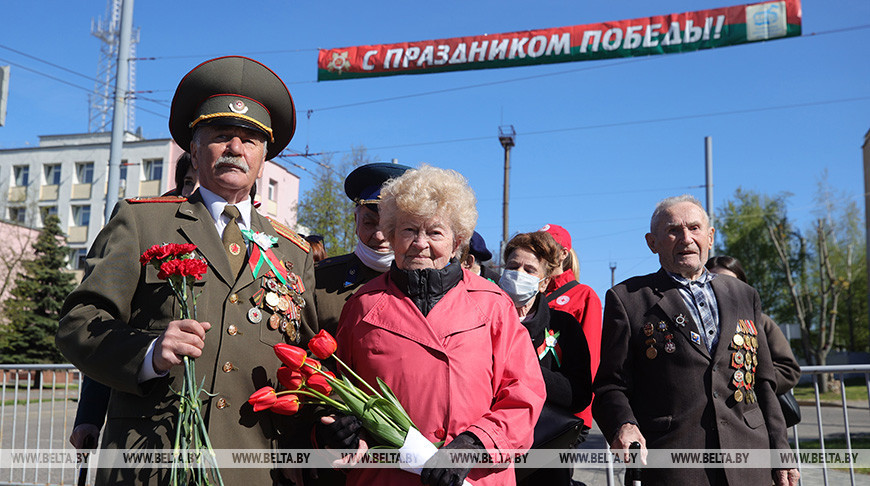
pixel 161 199
pixel 290 235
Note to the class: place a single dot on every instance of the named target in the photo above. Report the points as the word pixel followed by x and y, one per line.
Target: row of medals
pixel 744 360
pixel 285 302
pixel 669 345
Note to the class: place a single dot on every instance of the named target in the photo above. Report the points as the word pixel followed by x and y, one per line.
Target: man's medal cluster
pixel 744 360
pixel 667 336
pixel 283 299
pixel 281 289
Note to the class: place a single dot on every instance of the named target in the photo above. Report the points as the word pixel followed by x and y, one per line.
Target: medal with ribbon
pixel 261 252
pixel 281 290
pixel 550 346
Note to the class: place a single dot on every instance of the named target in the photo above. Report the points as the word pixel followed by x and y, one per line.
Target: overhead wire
pixel 137 95
pixel 625 123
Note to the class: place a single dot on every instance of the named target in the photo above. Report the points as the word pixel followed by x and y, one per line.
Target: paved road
pixel 808 429
pixel 46 427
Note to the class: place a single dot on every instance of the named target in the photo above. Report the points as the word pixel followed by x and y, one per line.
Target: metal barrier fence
pixel 38 405
pixel 842 371
pixel 37 410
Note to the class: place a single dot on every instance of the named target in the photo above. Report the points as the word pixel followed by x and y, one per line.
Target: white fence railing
pixel 840 372
pixel 37 410
pixel 38 406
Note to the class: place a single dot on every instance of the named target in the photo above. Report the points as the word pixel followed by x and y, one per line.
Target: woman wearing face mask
pixel 557 337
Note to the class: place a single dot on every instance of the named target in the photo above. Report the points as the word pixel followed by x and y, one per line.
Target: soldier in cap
pixel 121 325
pixel 473 256
pixel 339 277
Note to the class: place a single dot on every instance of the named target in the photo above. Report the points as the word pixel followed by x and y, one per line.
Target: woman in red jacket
pixel 567 294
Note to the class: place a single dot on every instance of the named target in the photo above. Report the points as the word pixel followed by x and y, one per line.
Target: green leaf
pixel 398 413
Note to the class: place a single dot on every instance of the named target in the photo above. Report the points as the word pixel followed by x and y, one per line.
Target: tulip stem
pixel 314 393
pixel 353 373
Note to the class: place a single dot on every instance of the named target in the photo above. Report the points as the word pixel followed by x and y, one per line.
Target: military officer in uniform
pixel 683 363
pixel 473 256
pixel 339 277
pixel 121 325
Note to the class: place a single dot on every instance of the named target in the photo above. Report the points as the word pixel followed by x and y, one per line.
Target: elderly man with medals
pixel 683 365
pixel 121 325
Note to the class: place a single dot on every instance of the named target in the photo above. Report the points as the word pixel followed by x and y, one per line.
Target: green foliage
pixel 742 227
pixel 847 246
pixel 827 267
pixel 34 308
pixel 326 210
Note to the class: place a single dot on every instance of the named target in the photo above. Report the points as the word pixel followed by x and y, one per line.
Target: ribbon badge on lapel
pixel 261 252
pixel 550 346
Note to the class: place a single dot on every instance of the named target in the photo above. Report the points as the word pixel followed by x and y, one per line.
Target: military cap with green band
pixel 237 91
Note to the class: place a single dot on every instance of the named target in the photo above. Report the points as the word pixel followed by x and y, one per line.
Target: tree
pixel 847 256
pixel 815 281
pixel 34 308
pixel 742 229
pixel 326 210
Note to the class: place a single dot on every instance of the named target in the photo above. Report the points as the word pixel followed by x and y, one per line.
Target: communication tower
pixel 101 101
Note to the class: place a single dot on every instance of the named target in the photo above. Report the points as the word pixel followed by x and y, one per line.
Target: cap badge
pixel 239 107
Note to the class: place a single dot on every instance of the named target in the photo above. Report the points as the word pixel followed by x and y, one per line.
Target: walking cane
pixel 632 474
pixel 89 443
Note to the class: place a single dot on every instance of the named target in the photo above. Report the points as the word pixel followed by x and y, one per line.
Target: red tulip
pixel 263 398
pixel 318 383
pixel 307 371
pixel 291 379
pixel 286 405
pixel 322 344
pixel 291 356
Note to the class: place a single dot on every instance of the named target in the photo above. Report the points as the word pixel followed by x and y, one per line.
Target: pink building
pixel 17 247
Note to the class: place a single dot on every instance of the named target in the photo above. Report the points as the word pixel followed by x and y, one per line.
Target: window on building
pixel 85 172
pixel 153 169
pixel 45 211
pixel 123 174
pixel 21 175
pixel 52 174
pixel 81 215
pixel 17 214
pixel 273 190
pixel 77 258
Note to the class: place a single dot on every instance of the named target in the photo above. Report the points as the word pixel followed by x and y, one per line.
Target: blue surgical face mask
pixel 520 286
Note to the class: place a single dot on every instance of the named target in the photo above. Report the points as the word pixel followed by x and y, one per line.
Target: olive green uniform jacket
pixel 109 321
pixel 337 279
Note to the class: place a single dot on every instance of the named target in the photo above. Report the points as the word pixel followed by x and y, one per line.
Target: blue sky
pixel 780 113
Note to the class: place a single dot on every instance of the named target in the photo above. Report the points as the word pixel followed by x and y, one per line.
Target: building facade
pixel 67 175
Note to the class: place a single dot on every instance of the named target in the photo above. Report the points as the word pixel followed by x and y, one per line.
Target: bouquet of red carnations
pixel 179 266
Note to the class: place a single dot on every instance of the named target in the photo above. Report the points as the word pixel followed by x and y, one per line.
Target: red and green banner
pixel 665 34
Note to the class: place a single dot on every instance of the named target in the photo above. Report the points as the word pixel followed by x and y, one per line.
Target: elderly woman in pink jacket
pixel 447 342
